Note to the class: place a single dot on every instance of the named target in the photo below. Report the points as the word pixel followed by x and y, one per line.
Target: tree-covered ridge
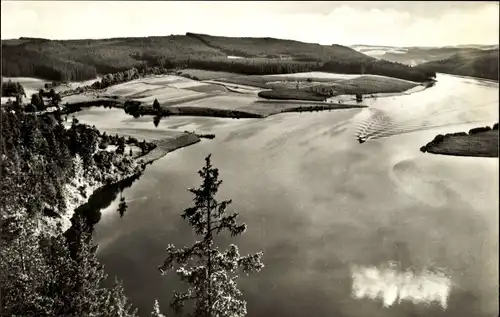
pixel 42 160
pixel 480 63
pixel 42 271
pixel 84 59
pixel 279 48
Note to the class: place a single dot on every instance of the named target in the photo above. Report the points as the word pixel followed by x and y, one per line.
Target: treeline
pixel 117 78
pixel 262 66
pixel 290 94
pixel 259 66
pixel 12 89
pixel 121 141
pixel 380 67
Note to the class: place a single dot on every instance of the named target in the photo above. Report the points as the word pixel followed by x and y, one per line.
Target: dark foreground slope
pixel 76 60
pixel 481 63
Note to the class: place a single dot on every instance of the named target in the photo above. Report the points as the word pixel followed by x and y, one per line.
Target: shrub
pixel 439 138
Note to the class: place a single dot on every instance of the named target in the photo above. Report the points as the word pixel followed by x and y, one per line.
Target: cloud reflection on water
pixel 393 286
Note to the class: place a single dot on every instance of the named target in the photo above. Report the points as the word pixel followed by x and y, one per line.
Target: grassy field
pixel 481 144
pixel 172 90
pixel 209 88
pixel 366 84
pixel 238 96
pixel 166 89
pixel 167 94
pixel 273 81
pixel 311 79
pixel 317 86
pixel 316 76
pixel 130 89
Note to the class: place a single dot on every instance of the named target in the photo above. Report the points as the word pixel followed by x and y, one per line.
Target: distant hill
pixel 76 60
pixel 418 55
pixel 480 63
pixel 277 48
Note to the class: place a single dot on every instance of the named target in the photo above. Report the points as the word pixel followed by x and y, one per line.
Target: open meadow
pixel 237 96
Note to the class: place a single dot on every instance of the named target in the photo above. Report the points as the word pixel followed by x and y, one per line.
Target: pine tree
pixel 78 169
pixel 39 275
pixel 156 105
pixel 116 304
pixel 87 296
pixel 156 310
pixel 210 274
pixel 22 270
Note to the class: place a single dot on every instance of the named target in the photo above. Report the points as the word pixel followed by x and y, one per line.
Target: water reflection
pixel 390 285
pixel 102 198
pixel 327 212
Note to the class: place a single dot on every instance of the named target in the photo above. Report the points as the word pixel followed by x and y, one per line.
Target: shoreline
pixel 142 109
pixel 165 146
pixel 478 142
pixel 77 202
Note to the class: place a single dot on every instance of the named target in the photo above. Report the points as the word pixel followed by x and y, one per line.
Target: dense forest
pixel 84 59
pixel 482 64
pixel 42 162
pixel 277 48
pixel 39 153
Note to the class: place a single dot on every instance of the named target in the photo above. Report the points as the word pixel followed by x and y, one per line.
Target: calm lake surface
pixel 347 229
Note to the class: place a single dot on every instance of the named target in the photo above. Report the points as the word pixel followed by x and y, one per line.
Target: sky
pixel 402 23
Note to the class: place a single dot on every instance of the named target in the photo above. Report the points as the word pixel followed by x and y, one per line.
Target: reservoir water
pixel 347 229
